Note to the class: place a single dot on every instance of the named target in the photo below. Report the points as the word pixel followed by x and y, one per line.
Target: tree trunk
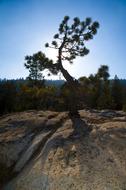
pixel 72 85
pixel 66 75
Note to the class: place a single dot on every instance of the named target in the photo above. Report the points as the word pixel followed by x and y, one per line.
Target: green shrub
pixel 124 107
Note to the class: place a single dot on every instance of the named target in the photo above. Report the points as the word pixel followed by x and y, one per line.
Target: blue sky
pixel 26 25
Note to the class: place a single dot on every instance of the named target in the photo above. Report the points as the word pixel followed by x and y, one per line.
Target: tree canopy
pixel 37 63
pixel 70 41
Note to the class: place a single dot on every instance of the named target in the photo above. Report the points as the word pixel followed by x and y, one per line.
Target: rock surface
pixel 50 151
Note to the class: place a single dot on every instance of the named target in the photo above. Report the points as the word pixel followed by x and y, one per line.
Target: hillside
pixel 50 151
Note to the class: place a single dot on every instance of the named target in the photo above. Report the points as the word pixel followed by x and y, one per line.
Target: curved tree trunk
pixel 73 87
pixel 66 75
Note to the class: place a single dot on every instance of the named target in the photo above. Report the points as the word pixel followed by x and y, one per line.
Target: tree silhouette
pixel 37 63
pixel 103 73
pixel 70 43
pixel 117 93
pixel 104 99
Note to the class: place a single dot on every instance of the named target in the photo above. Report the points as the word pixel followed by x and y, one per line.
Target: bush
pixel 124 107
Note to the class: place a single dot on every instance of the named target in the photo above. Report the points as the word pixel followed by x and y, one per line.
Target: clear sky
pixel 26 25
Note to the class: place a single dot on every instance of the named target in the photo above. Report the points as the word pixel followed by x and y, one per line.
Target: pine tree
pixel 70 43
pixel 36 64
pixel 117 93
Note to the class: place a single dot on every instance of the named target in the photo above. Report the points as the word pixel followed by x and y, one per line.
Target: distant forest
pixel 96 92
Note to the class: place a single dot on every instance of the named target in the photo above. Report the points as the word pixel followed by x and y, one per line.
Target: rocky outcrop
pixel 50 151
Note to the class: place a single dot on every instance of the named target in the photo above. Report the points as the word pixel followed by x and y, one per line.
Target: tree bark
pixel 66 75
pixel 72 85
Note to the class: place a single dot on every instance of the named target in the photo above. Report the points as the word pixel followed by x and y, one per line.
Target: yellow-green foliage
pixel 124 107
pixel 5 174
